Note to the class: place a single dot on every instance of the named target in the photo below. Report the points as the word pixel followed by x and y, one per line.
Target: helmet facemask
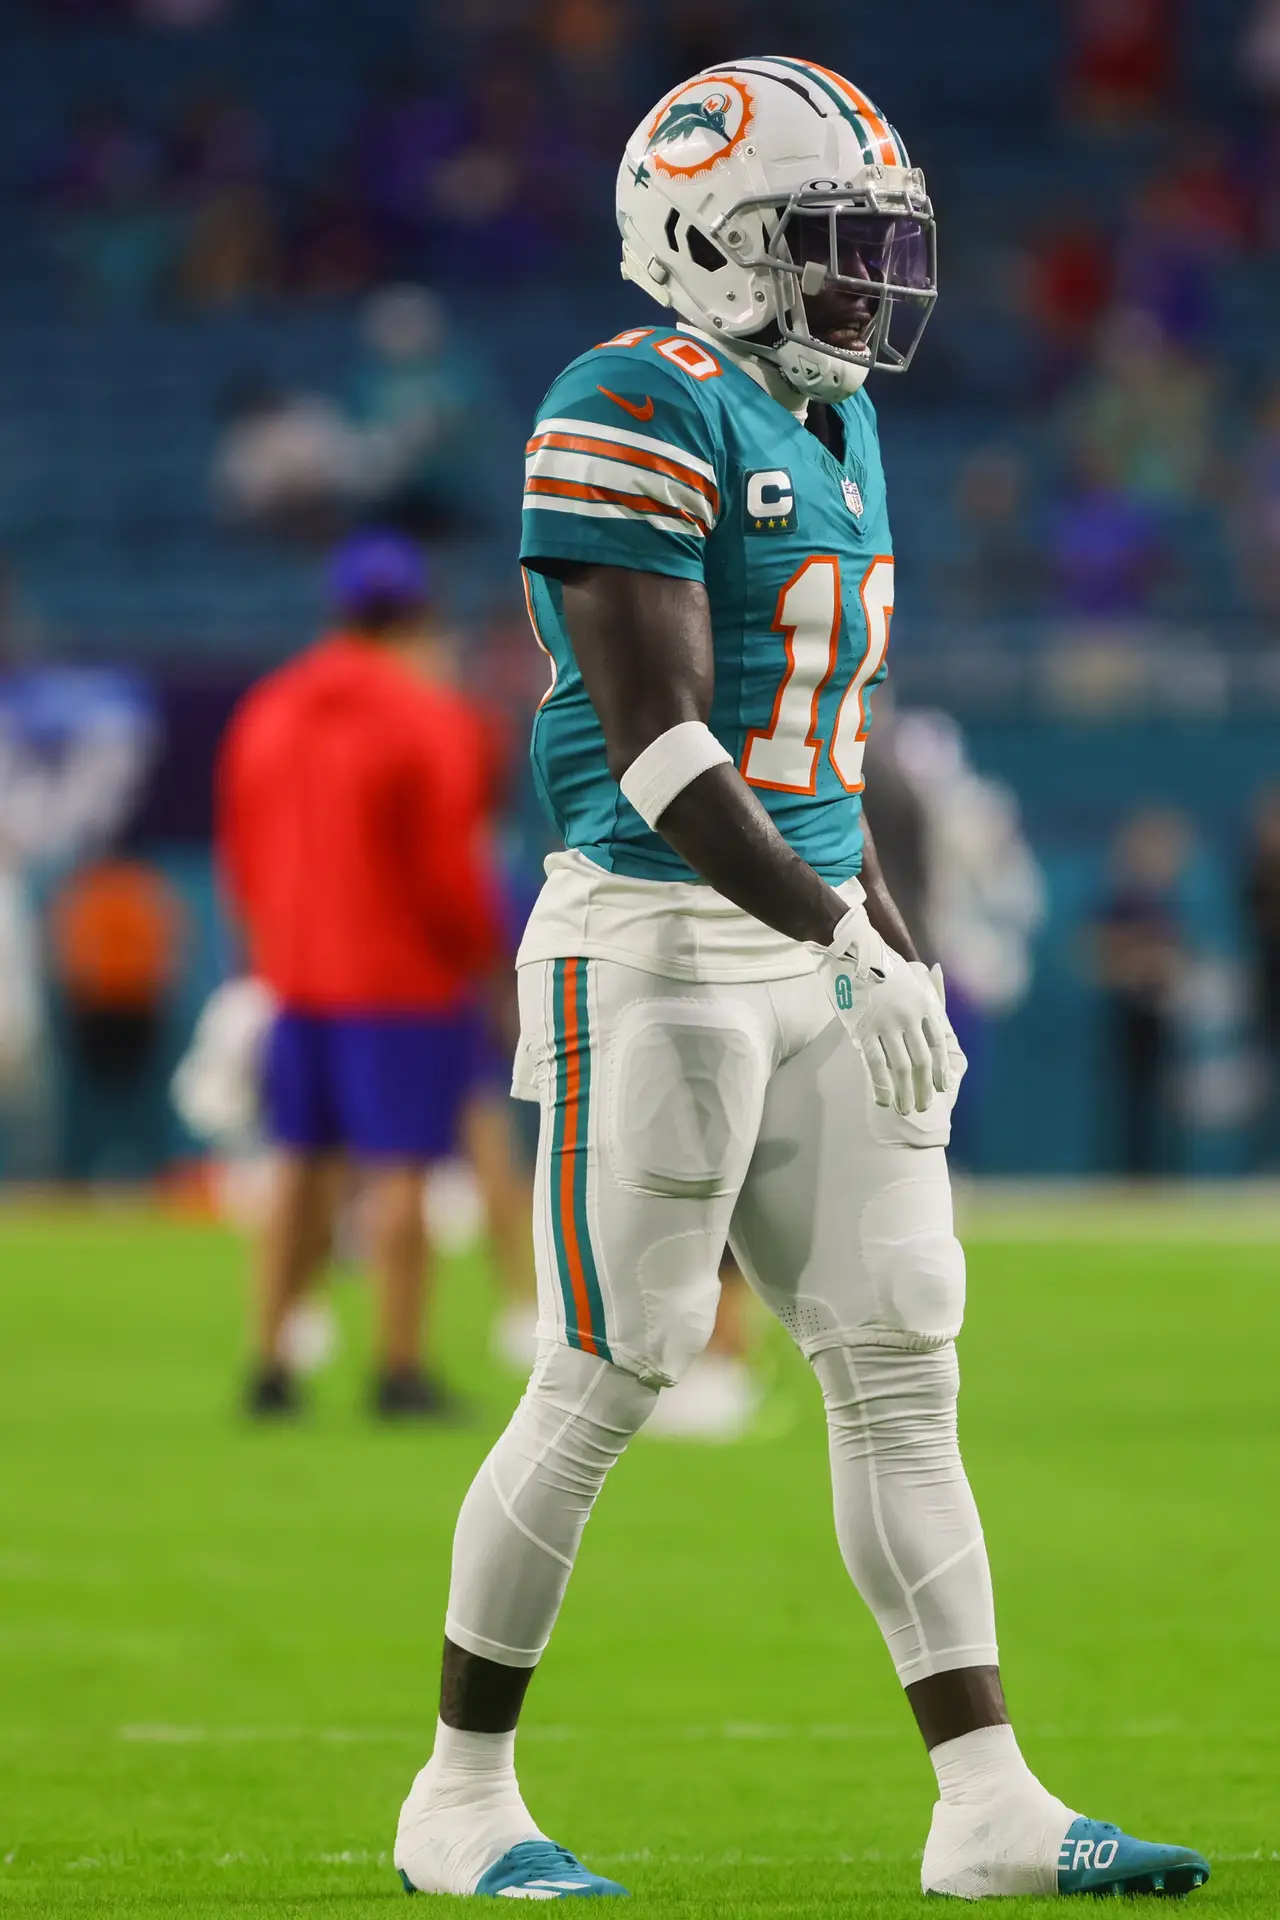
pixel 853 277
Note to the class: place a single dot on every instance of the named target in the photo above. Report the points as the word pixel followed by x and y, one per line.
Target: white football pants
pixel 675 1117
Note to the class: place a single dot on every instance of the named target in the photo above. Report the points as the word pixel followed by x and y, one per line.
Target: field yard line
pixel 733 1730
pixel 1243 1211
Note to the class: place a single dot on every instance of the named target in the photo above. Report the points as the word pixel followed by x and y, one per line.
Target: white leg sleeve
pixel 905 1517
pixel 519 1528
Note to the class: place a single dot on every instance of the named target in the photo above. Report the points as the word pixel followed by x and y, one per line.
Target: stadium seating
pixel 107 426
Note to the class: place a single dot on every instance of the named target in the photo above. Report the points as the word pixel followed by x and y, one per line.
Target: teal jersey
pixel 657 452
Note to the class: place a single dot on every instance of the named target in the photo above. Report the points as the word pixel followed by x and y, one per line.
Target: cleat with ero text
pixel 1096 1858
pixel 537 1870
pixel 1033 1844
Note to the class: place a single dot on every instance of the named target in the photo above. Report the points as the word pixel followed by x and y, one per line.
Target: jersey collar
pixel 761 371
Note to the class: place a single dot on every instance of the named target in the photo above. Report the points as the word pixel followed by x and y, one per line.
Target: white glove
pixel 956 1062
pixel 894 1013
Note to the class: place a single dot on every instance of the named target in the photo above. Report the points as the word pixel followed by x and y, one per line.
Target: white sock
pixel 980 1767
pixel 464 1811
pixel 996 1829
pixel 470 1767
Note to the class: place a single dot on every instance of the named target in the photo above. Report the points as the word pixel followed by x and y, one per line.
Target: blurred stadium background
pixel 270 269
pixel 267 274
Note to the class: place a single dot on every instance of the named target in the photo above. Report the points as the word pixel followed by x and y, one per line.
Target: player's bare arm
pixel 644 647
pixel 882 909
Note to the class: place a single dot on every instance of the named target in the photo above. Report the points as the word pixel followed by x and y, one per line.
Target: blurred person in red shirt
pixel 353 789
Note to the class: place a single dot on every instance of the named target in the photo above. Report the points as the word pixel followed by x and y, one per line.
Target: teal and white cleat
pixel 1031 1843
pixel 1096 1858
pixel 537 1870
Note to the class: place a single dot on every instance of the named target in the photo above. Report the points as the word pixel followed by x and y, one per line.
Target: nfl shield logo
pixel 852 496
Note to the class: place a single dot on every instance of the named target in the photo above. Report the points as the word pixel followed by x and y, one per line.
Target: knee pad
pixel 574 1420
pixel 914 1262
pixel 888 1399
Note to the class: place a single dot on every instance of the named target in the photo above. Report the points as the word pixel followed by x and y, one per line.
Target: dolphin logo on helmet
pixel 686 116
pixel 697 128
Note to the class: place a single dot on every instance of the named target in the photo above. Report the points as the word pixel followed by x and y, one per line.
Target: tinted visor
pixel 880 248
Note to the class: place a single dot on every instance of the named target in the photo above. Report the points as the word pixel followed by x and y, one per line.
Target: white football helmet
pixel 761 184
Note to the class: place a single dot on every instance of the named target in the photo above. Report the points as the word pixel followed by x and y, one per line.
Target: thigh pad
pixel 686 1087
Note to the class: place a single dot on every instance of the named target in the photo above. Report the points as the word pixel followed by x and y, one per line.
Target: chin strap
pixel 824 378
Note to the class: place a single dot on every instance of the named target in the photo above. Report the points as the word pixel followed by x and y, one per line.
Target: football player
pixel 723 1018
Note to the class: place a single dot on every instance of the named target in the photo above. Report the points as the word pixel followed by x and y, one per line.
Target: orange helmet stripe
pixel 879 126
pixel 880 133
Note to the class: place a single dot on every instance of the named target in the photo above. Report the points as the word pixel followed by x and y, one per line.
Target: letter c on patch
pixel 770 494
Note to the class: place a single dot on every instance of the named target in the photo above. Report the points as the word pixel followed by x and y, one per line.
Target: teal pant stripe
pixel 557 1150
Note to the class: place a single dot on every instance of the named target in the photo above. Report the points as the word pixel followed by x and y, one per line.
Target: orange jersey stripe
pixel 639 502
pixel 630 457
pixel 572 1147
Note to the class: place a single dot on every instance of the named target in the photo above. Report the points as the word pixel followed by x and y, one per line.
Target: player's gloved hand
pixel 957 1065
pixel 893 1011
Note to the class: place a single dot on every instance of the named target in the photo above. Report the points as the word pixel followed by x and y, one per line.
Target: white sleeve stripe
pixel 625 438
pixel 593 470
pixel 591 446
pixel 601 510
pixel 542 486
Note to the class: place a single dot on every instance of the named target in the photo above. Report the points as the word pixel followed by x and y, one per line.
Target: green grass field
pixel 218 1645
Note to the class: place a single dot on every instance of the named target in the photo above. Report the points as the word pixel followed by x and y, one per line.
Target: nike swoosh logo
pixel 629 406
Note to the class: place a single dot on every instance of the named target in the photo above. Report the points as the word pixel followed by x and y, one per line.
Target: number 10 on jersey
pixel 785 754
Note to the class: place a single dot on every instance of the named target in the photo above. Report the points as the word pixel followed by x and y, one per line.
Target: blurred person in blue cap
pixel 354 792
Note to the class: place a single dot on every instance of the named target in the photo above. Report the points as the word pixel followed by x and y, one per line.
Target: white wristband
pixel 846 933
pixel 853 938
pixel 668 765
